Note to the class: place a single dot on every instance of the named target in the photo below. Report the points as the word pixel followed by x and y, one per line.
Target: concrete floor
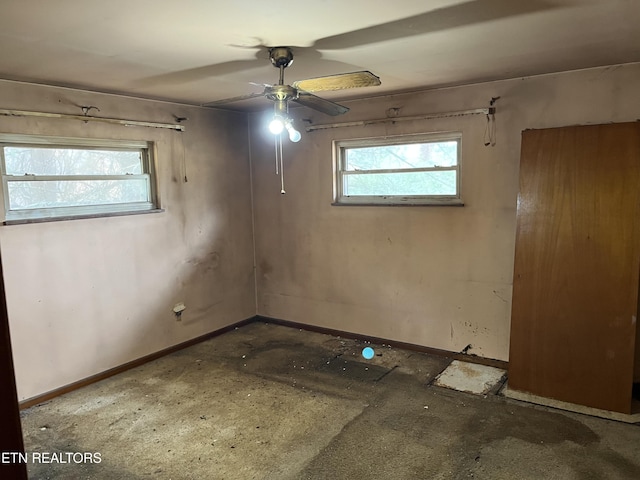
pixel 272 402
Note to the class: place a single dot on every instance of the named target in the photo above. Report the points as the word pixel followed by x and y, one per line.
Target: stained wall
pixel 434 276
pixel 90 294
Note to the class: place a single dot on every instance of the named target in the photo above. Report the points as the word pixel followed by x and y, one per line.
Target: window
pixel 402 170
pixel 50 177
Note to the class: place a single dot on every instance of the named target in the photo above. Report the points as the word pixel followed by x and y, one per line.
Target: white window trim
pixel 79 211
pixel 339 147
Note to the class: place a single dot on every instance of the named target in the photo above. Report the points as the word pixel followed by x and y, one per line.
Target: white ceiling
pixel 196 51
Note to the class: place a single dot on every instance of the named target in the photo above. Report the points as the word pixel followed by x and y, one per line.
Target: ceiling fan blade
pixel 320 104
pixel 224 101
pixel 338 82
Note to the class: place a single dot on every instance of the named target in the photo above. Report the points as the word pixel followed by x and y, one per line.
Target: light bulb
pixel 294 135
pixel 276 126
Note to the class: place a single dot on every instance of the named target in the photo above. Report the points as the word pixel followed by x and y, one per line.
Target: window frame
pixel 339 159
pixel 148 156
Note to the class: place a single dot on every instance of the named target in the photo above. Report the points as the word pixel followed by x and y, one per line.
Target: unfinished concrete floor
pixel 272 402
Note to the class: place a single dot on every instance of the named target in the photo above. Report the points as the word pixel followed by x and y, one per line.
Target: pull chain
pixel 279 162
pixel 275 138
pixel 282 191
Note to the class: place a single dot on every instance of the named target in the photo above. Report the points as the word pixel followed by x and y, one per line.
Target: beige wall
pixel 434 276
pixel 87 295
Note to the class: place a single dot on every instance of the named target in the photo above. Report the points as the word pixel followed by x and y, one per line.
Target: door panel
pixel 575 287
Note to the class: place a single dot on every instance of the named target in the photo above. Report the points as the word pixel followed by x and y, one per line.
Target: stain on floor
pixel 272 402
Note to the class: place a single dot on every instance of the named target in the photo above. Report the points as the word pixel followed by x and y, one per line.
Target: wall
pixel 87 295
pixel 434 276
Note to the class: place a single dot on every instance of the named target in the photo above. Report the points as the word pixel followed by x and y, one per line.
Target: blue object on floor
pixel 368 353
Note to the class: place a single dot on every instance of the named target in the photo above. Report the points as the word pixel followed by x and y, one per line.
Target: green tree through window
pixel 75 177
pixel 413 169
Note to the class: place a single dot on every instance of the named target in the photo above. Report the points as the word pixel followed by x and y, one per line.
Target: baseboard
pixel 464 357
pixel 30 402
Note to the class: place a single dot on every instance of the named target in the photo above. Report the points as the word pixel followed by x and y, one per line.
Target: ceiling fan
pixel 300 91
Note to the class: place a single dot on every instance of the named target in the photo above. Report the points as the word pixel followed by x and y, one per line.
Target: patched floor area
pixel 471 378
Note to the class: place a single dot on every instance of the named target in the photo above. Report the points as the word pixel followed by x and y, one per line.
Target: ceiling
pixel 197 51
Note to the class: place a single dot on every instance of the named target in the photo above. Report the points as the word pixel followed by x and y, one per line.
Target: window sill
pixel 25 221
pixel 403 204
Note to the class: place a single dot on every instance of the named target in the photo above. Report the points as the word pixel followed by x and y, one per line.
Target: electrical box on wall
pixel 178 308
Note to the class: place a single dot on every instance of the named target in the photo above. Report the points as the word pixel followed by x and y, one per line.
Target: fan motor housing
pixel 281 92
pixel 281 56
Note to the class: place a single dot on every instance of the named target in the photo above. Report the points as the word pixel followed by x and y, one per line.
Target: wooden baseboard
pixel 464 357
pixel 30 402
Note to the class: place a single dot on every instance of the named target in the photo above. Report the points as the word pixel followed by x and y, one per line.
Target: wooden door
pixel 577 261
